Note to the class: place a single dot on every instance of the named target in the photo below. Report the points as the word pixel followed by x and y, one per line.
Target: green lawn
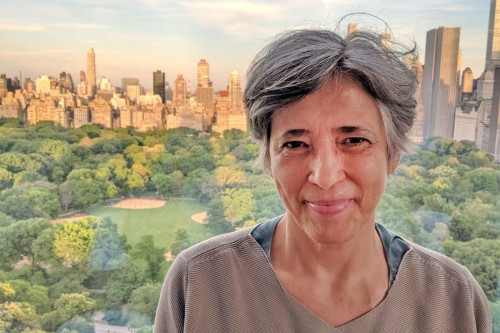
pixel 160 222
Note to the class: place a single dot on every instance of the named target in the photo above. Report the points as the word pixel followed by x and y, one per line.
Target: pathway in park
pixel 102 327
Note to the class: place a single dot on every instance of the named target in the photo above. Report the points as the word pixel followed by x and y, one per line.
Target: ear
pixel 393 164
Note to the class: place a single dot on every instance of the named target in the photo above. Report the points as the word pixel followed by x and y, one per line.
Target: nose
pixel 326 167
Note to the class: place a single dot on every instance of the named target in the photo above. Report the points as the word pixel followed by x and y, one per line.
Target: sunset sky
pixel 135 38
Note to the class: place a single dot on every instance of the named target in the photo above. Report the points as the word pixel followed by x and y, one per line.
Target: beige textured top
pixel 227 284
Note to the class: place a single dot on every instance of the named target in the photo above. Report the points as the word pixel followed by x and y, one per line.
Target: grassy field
pixel 160 222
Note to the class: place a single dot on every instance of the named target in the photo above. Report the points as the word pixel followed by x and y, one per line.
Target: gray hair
pixel 298 62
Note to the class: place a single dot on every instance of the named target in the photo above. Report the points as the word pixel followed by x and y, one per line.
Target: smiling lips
pixel 328 207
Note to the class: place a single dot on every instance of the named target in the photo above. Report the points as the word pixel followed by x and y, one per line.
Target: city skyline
pixel 136 38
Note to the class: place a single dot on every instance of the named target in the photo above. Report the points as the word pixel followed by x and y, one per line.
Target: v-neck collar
pixel 395 249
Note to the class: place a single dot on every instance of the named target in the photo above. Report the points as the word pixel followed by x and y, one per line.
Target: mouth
pixel 328 207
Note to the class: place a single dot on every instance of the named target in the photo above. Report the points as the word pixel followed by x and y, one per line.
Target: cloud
pixel 79 26
pixel 34 53
pixel 240 19
pixel 31 27
pixel 21 27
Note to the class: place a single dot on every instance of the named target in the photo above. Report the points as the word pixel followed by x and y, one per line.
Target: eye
pixel 294 145
pixel 353 143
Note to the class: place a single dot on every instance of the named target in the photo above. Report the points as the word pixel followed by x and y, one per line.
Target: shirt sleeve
pixel 171 306
pixel 481 307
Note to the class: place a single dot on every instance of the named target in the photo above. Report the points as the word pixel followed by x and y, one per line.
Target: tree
pixel 6 220
pixel 193 183
pixel 108 247
pixel 121 284
pixel 164 184
pixel 79 324
pixel 85 192
pixel 23 292
pixel 228 177
pixel 474 218
pixel 268 204
pixel 482 258
pixel 217 222
pixel 16 241
pixel 181 241
pixel 73 241
pixel 152 255
pixel 484 179
pixel 5 178
pixel 178 181
pixel 67 306
pixel 238 205
pixel 145 299
pixel 18 317
pixel 29 203
pixel 396 214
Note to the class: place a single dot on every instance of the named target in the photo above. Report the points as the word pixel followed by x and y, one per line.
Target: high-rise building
pixel 204 88
pixel 351 28
pixel 134 91
pixel 126 81
pixel 82 76
pixel 203 78
pixel 159 84
pixel 66 81
pixel 91 72
pixel 493 41
pixel 180 91
pixel 465 125
pixel 169 94
pixel 234 89
pixel 467 81
pixel 3 85
pixel 441 81
pixel 416 132
pixel 488 89
pixel 386 39
pixel 44 84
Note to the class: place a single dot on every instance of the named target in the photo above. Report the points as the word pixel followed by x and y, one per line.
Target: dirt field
pixel 126 203
pixel 200 217
pixel 139 203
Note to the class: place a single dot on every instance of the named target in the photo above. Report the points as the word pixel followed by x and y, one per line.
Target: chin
pixel 330 231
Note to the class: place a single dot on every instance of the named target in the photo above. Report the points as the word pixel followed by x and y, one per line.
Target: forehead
pixel 336 104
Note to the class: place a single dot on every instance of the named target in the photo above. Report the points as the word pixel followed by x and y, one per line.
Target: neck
pixel 360 256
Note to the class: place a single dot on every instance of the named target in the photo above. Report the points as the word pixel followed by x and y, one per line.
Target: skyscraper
pixel 203 78
pixel 180 91
pixel 467 81
pixel 352 28
pixel 441 81
pixel 488 89
pixel 126 81
pixel 91 72
pixel 493 42
pixel 159 84
pixel 204 89
pixel 416 132
pixel 234 89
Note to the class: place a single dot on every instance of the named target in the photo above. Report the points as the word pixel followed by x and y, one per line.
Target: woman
pixel 332 115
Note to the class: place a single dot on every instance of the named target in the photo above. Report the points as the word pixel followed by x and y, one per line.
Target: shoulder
pixel 214 247
pixel 436 262
pixel 427 277
pixel 441 274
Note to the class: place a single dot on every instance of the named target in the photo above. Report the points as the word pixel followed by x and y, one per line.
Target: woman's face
pixel 328 158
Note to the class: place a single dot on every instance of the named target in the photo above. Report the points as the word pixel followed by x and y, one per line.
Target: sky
pixel 134 38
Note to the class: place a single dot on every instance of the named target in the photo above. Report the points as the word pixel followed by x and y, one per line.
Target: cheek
pixel 371 178
pixel 287 176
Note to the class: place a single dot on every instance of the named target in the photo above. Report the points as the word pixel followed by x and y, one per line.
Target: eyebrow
pixel 296 132
pixel 353 129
